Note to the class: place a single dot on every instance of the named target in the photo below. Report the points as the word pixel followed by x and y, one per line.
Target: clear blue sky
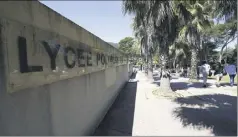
pixel 103 18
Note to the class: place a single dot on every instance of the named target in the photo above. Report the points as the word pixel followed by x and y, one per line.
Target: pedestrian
pixel 198 68
pixel 185 71
pixel 218 73
pixel 181 71
pixel 205 69
pixel 188 71
pixel 231 70
pixel 167 72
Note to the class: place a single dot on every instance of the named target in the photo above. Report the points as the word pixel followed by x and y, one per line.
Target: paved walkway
pixel 138 112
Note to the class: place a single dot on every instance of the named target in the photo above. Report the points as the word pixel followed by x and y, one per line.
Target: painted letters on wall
pixel 35 57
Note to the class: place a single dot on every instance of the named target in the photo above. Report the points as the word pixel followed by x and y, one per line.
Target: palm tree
pixel 196 20
pixel 141 34
pixel 139 10
pixel 163 23
pixel 179 54
pixel 224 9
pixel 157 18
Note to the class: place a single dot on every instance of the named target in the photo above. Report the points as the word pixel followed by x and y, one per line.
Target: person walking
pixel 188 71
pixel 205 68
pixel 185 71
pixel 231 70
pixel 218 73
pixel 198 69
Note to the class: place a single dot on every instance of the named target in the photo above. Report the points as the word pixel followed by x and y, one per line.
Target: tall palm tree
pixel 160 20
pixel 139 10
pixel 196 20
pixel 160 29
pixel 179 54
pixel 164 25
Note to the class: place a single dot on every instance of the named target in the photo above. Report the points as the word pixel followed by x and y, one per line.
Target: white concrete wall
pixel 69 107
pixel 73 106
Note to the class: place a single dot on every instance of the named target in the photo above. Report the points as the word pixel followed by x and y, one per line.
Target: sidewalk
pixel 138 112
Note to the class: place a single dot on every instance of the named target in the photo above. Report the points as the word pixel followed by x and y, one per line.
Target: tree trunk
pixel 220 56
pixel 225 45
pixel 165 75
pixel 203 49
pixel 174 62
pixel 147 59
pixel 150 67
pixel 206 52
pixel 221 53
pixel 146 65
pixel 193 69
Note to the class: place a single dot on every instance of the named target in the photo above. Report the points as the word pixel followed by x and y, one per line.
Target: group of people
pixel 220 70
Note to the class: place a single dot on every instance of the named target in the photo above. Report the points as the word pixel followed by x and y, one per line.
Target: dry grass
pixel 168 94
pixel 225 79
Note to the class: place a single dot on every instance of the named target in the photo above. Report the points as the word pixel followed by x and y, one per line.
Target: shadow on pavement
pixel 133 75
pixel 184 85
pixel 157 77
pixel 119 119
pixel 218 112
pixel 209 78
pixel 227 84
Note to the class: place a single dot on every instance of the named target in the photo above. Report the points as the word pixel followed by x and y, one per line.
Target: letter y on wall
pixel 52 53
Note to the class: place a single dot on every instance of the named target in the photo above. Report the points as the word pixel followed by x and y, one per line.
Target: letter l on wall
pixel 23 63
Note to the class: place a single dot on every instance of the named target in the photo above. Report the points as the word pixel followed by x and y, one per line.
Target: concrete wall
pixel 69 107
pixel 73 106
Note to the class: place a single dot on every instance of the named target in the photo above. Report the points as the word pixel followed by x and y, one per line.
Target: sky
pixel 102 18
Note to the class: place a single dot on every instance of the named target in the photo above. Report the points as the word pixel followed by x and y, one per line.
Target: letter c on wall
pixel 68 65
